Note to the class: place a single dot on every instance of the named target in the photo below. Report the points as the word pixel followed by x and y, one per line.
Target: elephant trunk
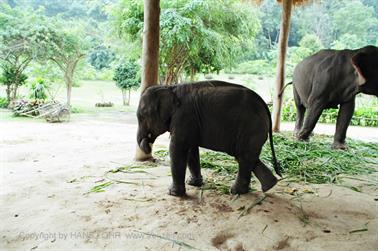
pixel 144 142
pixel 145 146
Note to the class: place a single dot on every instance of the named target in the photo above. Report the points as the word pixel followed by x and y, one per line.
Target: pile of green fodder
pixel 312 162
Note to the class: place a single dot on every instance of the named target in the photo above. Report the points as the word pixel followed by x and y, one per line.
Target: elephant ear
pixel 167 104
pixel 359 63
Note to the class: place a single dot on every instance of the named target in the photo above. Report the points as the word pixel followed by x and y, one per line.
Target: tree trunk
pixel 150 56
pixel 283 40
pixel 15 86
pixel 68 81
pixel 14 92
pixel 123 96
pixel 8 91
pixel 69 91
pixel 69 72
pixel 128 100
pixel 192 74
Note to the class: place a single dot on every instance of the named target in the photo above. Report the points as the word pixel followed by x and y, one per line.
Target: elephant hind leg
pixel 243 178
pixel 300 112
pixel 261 171
pixel 265 176
pixel 313 114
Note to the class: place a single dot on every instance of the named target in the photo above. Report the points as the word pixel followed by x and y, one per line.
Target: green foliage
pixel 338 24
pixel 101 57
pixel 4 102
pixel 44 70
pixel 308 45
pixel 258 67
pixel 12 79
pixel 127 75
pixel 21 40
pixel 87 72
pixel 220 28
pixel 38 89
pixel 311 162
pixel 363 116
pixel 69 9
pixel 355 17
pixel 349 41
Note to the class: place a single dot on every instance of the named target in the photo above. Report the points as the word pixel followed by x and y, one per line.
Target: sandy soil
pixel 48 169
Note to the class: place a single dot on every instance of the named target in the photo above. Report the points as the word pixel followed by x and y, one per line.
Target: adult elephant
pixel 332 78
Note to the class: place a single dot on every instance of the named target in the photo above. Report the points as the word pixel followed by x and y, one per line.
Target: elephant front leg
pixel 178 154
pixel 343 119
pixel 313 114
pixel 194 168
pixel 243 178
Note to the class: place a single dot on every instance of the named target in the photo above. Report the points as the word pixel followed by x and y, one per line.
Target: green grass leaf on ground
pixel 309 162
pixel 312 162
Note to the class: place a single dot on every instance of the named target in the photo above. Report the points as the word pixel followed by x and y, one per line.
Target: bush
pixel 38 89
pixel 363 116
pixel 104 104
pixel 87 72
pixel 4 102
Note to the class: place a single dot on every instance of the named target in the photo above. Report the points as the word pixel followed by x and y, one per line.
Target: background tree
pixel 12 79
pixel 127 77
pixel 308 45
pixel 356 19
pixel 21 40
pixel 220 28
pixel 66 49
pixel 101 57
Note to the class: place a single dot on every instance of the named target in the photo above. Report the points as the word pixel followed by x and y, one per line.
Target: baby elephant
pixel 212 114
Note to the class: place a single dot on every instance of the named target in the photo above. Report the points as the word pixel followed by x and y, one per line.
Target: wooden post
pixel 280 81
pixel 150 54
pixel 151 37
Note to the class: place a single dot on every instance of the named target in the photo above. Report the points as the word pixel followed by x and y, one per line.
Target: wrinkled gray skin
pixel 212 114
pixel 332 78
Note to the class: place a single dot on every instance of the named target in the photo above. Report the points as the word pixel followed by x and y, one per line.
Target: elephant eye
pixel 149 135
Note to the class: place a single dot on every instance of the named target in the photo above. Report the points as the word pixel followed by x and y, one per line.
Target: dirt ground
pixel 48 169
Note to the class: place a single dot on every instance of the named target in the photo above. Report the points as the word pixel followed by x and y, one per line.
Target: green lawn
pixel 89 92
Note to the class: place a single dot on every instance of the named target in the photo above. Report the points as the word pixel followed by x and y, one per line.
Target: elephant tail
pixel 283 89
pixel 276 164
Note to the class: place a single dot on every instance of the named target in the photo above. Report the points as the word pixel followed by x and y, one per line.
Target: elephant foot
pixel 339 146
pixel 239 189
pixel 267 185
pixel 296 133
pixel 195 181
pixel 176 190
pixel 303 138
pixel 265 176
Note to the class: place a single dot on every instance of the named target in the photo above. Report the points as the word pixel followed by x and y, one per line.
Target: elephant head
pixel 365 61
pixel 156 107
